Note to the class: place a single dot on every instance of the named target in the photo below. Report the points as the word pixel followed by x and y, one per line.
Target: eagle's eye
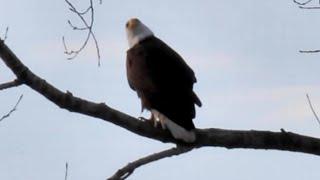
pixel 127 24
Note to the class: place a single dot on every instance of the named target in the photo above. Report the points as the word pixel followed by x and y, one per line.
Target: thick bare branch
pixel 12 110
pixel 205 137
pixel 10 84
pixel 127 170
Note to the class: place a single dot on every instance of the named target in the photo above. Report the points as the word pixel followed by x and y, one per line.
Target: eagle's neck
pixel 138 35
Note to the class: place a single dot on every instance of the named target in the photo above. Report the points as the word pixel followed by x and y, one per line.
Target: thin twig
pixel 312 109
pixel 309 51
pixel 76 27
pixel 10 84
pixel 6 34
pixel 309 7
pixel 66 172
pixel 87 27
pixel 85 11
pixel 13 109
pixel 302 3
pixel 127 170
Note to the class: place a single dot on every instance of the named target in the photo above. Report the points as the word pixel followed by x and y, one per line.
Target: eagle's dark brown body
pixel 162 80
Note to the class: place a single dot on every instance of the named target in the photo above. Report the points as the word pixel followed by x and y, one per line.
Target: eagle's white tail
pixel 177 131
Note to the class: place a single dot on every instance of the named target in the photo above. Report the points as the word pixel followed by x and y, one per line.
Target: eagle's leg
pixel 156 119
pixel 144 103
pixel 159 119
pixel 162 121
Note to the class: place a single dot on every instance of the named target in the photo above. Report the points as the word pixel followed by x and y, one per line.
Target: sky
pixel 250 76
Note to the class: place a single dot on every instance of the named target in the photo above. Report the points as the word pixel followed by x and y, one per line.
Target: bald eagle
pixel 163 81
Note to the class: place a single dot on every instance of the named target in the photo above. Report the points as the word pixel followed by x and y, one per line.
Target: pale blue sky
pixel 250 76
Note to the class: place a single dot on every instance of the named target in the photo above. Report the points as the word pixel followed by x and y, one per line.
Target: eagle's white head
pixel 136 31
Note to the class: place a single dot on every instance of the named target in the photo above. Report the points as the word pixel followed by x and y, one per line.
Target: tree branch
pixel 88 26
pixel 10 84
pixel 310 51
pixel 66 172
pixel 312 109
pixel 303 5
pixel 205 137
pixel 127 170
pixel 309 7
pixel 6 34
pixel 12 110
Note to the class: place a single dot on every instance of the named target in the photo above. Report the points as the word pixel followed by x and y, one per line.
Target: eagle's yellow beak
pixel 132 23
